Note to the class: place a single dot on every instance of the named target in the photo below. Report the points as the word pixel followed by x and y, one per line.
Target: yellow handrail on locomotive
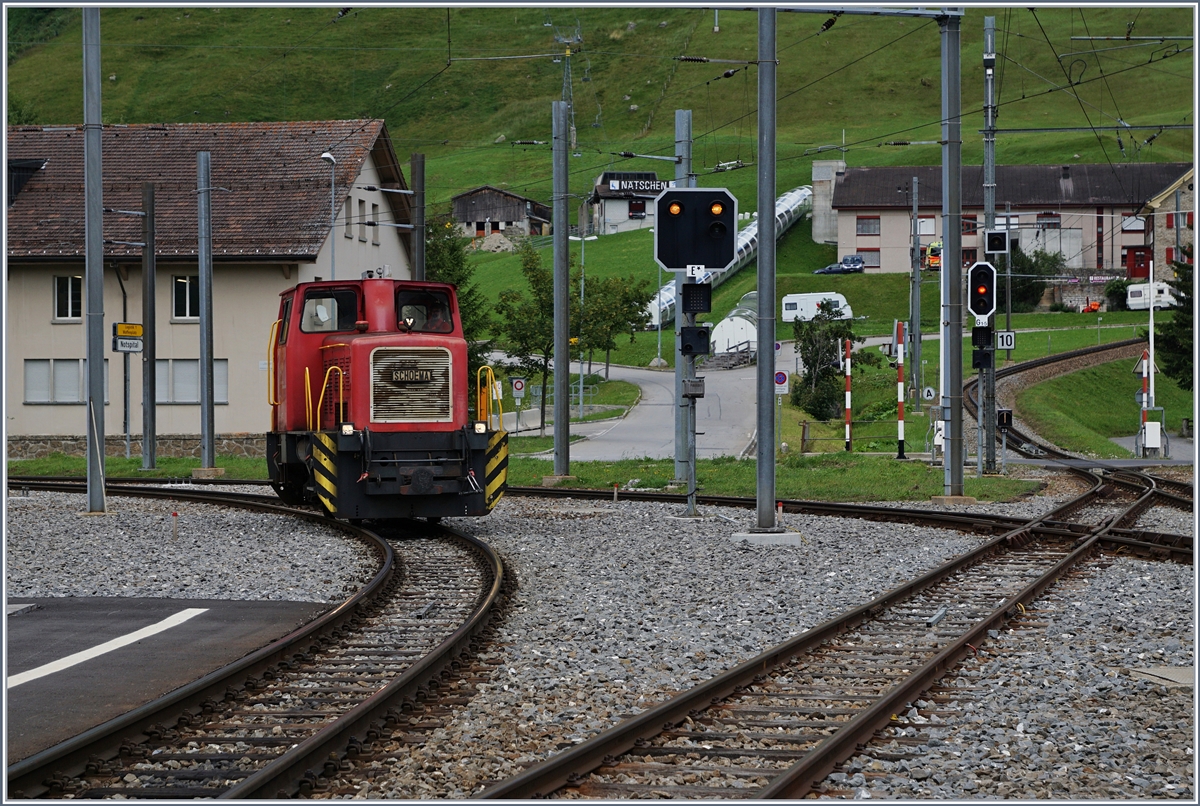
pixel 341 394
pixel 308 418
pixel 272 399
pixel 483 398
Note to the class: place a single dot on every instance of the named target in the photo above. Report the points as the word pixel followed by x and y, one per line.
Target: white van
pixel 804 306
pixel 1137 297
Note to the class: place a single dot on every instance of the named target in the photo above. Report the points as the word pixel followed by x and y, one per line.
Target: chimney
pixel 1066 172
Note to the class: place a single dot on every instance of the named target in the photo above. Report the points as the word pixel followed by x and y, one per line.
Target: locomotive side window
pixel 424 311
pixel 285 320
pixel 329 311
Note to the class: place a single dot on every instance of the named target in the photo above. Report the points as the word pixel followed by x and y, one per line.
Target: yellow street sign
pixel 127 329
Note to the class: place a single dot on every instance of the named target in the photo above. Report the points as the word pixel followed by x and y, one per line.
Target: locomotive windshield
pixel 329 310
pixel 424 311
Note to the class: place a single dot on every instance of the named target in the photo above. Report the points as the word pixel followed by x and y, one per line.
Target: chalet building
pixel 496 219
pixel 1093 214
pixel 622 201
pixel 272 226
pixel 1172 230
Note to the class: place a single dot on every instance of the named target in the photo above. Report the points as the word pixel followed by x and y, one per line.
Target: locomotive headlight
pixel 347 429
pixel 481 428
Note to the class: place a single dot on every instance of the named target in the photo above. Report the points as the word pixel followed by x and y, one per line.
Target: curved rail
pixel 71 757
pixel 285 774
pixel 777 670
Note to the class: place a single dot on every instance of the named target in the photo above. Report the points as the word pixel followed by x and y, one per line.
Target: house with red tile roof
pixel 280 214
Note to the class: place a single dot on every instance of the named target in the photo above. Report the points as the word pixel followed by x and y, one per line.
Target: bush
pixel 823 400
pixel 868 358
pixel 1115 292
pixel 1059 307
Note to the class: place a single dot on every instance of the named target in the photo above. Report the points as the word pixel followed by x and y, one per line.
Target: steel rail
pixel 282 778
pixel 549 775
pixel 71 756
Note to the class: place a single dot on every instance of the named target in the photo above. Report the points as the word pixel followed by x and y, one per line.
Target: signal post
pixel 695 232
pixel 981 302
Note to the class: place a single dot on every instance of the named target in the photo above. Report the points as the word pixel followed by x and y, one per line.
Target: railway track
pixel 776 725
pixel 266 725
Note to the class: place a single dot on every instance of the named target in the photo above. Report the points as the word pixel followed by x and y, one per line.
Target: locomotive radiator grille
pixel 411 384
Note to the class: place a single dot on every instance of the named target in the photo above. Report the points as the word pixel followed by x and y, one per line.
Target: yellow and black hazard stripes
pixel 324 470
pixel 495 468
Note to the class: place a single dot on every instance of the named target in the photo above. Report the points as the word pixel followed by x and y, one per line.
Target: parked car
pixel 850 264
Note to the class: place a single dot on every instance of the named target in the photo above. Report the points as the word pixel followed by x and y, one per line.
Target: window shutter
pixel 162 380
pixel 67 386
pixel 1191 220
pixel 221 380
pixel 1170 253
pixel 186 381
pixel 37 380
pixel 1170 221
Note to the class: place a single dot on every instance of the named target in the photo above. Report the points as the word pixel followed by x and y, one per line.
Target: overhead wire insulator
pixel 692 58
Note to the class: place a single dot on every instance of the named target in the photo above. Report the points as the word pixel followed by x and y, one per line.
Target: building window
pixel 925 225
pixel 1049 221
pixel 637 208
pixel 362 220
pixel 479 229
pixel 375 221
pixel 969 257
pixel 867 225
pixel 349 230
pixel 177 380
pixel 870 257
pixel 186 297
pixel 1132 223
pixel 970 224
pixel 68 298
pixel 58 380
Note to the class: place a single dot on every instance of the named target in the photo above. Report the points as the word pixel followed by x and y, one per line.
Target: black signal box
pixel 981 337
pixel 693 340
pixel 697 298
pixel 995 241
pixel 1004 419
pixel 695 229
pixel 981 359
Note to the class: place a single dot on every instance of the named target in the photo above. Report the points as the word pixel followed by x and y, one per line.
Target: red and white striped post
pixel 848 394
pixel 900 390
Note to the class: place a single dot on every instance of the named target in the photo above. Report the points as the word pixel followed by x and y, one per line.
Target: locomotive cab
pixel 369 400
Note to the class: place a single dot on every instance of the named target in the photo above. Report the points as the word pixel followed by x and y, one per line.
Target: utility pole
pixel 204 200
pixel 149 345
pixel 418 183
pixel 765 375
pixel 987 407
pixel 562 302
pixel 93 226
pixel 952 308
pixel 915 312
pixel 683 419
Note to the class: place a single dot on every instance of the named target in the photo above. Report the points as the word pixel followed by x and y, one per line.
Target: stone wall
pixel 36 446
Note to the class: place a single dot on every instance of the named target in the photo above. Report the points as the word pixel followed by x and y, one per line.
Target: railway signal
pixel 695 229
pixel 981 290
pixel 995 241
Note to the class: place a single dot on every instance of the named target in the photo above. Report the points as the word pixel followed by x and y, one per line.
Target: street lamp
pixel 327 157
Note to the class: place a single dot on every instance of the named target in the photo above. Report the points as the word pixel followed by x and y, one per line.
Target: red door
pixel 1137 261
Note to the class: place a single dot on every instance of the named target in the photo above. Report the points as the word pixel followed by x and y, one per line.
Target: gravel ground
pixel 53 548
pixel 620 605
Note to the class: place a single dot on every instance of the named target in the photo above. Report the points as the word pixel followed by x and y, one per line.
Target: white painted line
pixel 108 646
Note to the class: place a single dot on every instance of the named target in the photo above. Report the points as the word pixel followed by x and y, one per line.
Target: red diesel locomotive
pixel 368 390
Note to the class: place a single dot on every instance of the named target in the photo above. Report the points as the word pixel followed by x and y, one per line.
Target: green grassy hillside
pixel 448 85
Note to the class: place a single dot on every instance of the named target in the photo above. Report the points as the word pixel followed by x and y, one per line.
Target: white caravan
pixel 804 306
pixel 1137 297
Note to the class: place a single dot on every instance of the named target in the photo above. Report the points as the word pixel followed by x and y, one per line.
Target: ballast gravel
pixel 620 605
pixel 138 547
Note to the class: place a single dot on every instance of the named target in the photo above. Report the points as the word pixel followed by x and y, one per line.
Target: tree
pixel 527 322
pixel 820 342
pixel 613 307
pixel 1175 338
pixel 446 261
pixel 1029 273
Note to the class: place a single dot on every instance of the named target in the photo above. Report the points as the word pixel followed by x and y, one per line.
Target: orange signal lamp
pixel 716 208
pixel 981 289
pixel 675 208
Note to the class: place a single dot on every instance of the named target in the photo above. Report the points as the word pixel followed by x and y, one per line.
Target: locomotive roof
pixel 271 188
